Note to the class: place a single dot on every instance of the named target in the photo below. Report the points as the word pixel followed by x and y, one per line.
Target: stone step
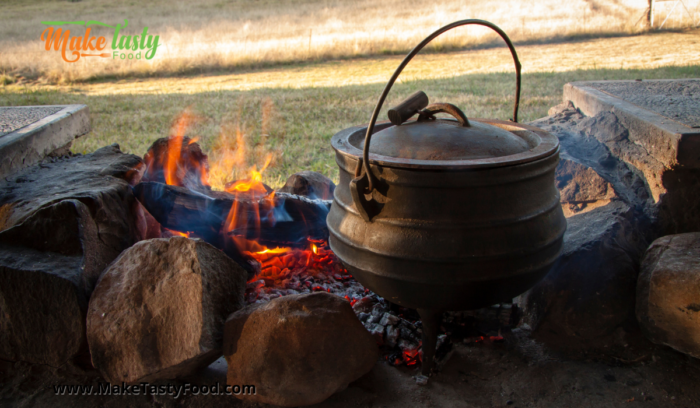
pixel 30 133
pixel 663 116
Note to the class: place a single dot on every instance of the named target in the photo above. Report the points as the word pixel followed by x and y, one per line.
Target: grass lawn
pixel 293 111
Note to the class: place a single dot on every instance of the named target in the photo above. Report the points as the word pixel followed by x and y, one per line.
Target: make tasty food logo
pixel 123 47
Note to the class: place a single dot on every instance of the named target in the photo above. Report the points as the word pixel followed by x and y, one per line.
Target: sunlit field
pixel 283 76
pixel 216 35
pixel 293 111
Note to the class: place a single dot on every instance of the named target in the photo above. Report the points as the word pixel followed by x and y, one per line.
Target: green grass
pixel 302 121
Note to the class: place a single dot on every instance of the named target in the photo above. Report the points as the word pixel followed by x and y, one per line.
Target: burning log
pixel 176 161
pixel 241 220
pixel 274 220
pixel 309 184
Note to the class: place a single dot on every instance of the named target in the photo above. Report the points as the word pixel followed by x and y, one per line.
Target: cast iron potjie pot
pixel 446 214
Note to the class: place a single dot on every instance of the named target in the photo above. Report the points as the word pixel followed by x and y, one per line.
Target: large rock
pixel 309 184
pixel 61 223
pixel 101 180
pixel 581 189
pixel 44 285
pixel 590 291
pixel 580 144
pixel 609 130
pixel 606 143
pixel 668 293
pixel 297 350
pixel 158 311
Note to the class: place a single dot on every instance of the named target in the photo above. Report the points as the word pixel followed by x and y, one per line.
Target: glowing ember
pixel 275 251
pixel 294 268
pixel 412 357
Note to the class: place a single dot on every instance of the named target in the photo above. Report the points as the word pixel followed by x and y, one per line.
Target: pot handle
pixel 364 182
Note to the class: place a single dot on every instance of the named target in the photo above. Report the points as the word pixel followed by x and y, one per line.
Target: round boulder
pixel 668 293
pixel 297 350
pixel 158 311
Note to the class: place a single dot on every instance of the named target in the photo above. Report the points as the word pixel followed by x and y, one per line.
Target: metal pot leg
pixel 431 324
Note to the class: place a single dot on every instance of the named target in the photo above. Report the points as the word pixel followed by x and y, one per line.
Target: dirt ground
pixel 518 372
pixel 525 373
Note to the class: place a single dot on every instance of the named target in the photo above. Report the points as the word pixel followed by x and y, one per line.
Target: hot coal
pixel 397 330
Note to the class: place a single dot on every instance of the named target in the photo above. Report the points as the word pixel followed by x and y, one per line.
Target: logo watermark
pixel 143 46
pixel 144 388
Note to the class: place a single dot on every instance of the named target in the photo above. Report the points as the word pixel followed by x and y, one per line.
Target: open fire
pixel 183 164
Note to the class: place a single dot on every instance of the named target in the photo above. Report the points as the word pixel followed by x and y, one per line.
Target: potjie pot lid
pixel 445 144
pixel 447 140
pixel 429 141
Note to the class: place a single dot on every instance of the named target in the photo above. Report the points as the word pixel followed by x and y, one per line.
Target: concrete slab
pixel 30 133
pixel 662 116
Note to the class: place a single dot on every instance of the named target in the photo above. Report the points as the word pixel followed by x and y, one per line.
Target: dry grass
pixel 216 34
pixel 294 112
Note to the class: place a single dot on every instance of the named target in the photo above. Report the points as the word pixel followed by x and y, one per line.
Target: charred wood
pixel 283 220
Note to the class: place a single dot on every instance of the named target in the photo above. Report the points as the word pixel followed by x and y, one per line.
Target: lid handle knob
pixel 409 107
pixel 429 113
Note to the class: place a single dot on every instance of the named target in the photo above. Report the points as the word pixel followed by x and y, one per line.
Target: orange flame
pixel 175 164
pixel 253 182
pixel 253 188
pixel 228 158
pixel 203 174
pixel 277 250
pixel 178 233
pixel 172 159
pixel 253 202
